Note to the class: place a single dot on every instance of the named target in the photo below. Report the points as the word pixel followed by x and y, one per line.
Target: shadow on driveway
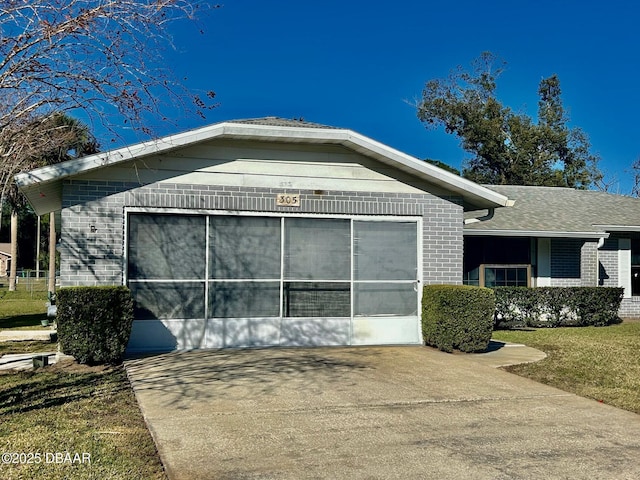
pixel 372 413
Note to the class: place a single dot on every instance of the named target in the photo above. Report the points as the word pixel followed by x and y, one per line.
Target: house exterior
pixel 261 232
pixel 5 259
pixel 556 237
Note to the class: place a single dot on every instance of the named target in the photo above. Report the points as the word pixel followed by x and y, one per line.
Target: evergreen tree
pixel 509 147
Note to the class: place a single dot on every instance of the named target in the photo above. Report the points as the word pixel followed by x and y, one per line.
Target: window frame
pixel 483 266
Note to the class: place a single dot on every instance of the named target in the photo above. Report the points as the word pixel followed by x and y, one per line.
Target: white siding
pixel 270 165
pixel 624 265
pixel 544 263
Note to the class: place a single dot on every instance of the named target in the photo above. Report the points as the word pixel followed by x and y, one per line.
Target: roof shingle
pixel 281 122
pixel 554 209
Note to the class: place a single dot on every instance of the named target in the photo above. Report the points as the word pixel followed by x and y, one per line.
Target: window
pixel 224 266
pixel 499 276
pixel 506 275
pixel 635 266
pixel 498 261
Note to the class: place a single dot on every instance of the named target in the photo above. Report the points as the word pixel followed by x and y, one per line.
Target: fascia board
pixel 619 228
pixel 91 162
pixel 533 233
pixel 432 173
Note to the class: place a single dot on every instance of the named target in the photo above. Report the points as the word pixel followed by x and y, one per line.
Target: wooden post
pixel 52 254
pixel 38 251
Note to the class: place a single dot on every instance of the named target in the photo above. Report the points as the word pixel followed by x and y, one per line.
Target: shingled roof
pixel 554 211
pixel 281 122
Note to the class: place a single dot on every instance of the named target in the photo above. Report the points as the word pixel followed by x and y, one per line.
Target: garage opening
pixel 268 274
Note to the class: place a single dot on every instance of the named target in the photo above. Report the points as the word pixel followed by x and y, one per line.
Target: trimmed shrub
pixel 457 317
pixel 597 306
pixel 557 306
pixel 94 323
pixel 516 306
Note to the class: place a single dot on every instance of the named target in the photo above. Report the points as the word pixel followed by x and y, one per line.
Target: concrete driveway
pixel 372 413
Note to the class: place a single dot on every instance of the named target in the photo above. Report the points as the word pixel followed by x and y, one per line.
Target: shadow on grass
pixel 17 321
pixel 28 391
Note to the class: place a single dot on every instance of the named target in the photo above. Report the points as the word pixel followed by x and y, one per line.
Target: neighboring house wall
pixel 608 262
pixel 589 263
pixel 4 264
pixel 92 243
pixel 614 270
pixel 565 262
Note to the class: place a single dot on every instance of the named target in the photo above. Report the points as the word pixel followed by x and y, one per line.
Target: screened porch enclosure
pixel 242 280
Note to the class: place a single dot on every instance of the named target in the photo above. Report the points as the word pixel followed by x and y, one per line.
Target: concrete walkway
pixel 24 361
pixel 373 413
pixel 26 335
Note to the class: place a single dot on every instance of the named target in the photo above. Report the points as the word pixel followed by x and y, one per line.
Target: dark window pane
pixel 385 250
pixel 635 251
pixel 385 299
pixel 168 300
pixel 166 247
pixel 317 249
pixel 317 299
pixel 635 281
pixel 522 277
pixel 244 247
pixel 489 277
pixel 244 299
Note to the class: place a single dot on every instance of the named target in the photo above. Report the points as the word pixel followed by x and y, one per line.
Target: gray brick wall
pixel 630 308
pixel 92 250
pixel 608 262
pixel 589 263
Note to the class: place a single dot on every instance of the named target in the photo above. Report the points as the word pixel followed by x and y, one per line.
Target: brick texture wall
pixel 608 262
pixel 589 263
pixel 92 241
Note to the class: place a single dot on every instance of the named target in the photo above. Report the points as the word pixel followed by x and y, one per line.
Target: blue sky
pixel 360 65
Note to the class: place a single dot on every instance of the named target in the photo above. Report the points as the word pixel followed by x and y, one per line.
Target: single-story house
pixel 556 237
pixel 5 259
pixel 261 232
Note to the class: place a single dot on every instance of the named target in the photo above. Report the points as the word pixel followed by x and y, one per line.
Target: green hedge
pixel 557 306
pixel 457 317
pixel 94 323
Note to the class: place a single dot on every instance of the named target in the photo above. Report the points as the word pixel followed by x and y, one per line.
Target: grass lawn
pixel 89 411
pixel 24 308
pixel 76 409
pixel 602 363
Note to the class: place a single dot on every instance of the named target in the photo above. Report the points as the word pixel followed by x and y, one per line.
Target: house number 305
pixel 287 200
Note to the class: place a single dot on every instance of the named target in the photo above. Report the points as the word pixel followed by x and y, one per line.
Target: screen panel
pixel 385 250
pixel 317 249
pixel 244 247
pixel 166 247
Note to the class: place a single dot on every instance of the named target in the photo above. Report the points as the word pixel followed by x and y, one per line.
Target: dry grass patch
pixel 595 362
pixel 77 409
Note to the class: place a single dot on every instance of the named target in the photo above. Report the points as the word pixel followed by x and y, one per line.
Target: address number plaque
pixel 287 200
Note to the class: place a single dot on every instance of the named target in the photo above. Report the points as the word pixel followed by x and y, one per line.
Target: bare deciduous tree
pixel 99 56
pixel 102 57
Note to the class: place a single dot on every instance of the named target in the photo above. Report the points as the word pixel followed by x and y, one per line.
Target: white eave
pixel 533 233
pixel 619 228
pixel 32 183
